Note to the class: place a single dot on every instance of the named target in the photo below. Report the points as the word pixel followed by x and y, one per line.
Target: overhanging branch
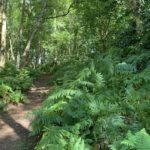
pixel 65 14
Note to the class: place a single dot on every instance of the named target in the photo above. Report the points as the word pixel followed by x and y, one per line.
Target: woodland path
pixel 15 121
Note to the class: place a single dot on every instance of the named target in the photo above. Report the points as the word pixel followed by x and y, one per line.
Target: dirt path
pixel 14 123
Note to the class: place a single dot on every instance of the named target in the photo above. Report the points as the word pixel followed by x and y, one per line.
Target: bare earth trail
pixel 14 123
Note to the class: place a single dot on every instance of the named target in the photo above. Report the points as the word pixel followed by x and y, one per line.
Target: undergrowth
pixel 93 107
pixel 14 82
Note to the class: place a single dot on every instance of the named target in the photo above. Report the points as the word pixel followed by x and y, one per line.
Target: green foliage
pixel 125 68
pixel 34 73
pixel 95 108
pixel 138 141
pixel 69 70
pixel 61 111
pixel 23 80
pixel 7 95
pixel 16 79
pixel 9 70
pixel 12 83
pixel 61 139
pixel 100 61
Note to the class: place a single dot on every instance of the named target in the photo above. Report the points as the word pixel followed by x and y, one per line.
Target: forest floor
pixel 15 121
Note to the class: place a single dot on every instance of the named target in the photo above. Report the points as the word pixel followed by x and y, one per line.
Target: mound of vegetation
pixel 17 79
pixel 8 95
pixel 93 109
pixel 13 82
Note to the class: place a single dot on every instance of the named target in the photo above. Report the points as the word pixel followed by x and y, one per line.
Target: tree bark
pixel 136 7
pixel 11 48
pixel 3 33
pixel 20 35
pixel 11 32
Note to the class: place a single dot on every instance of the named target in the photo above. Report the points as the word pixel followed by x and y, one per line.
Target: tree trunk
pixel 27 48
pixel 3 34
pixel 35 30
pixel 11 48
pixel 11 33
pixel 20 40
pixel 136 9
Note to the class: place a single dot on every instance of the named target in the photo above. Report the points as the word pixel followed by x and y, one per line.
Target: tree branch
pixel 65 14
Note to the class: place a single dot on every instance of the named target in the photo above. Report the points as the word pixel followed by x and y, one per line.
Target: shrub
pixel 16 79
pixel 95 108
pixel 138 141
pixel 12 83
pixel 7 95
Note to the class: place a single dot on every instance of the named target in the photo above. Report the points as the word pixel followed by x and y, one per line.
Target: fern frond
pixel 64 93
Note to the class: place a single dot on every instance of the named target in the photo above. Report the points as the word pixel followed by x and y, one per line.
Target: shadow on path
pixel 18 128
pixel 13 134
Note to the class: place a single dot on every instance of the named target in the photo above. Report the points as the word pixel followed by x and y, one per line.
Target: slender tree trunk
pixel 3 33
pixel 11 32
pixel 11 48
pixel 36 28
pixel 20 35
pixel 28 45
pixel 21 22
pixel 136 7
